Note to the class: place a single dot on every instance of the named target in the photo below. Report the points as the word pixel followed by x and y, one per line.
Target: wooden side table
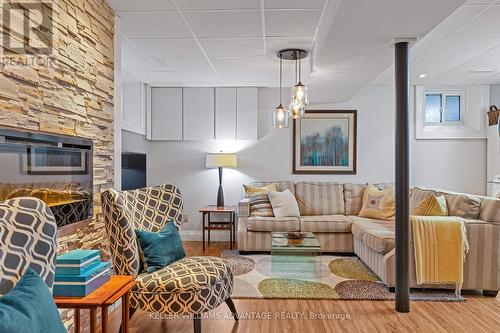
pixel 118 286
pixel 209 224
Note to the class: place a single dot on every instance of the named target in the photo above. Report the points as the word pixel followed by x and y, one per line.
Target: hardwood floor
pixel 477 314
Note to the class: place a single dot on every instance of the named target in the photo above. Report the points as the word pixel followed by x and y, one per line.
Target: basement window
pixel 444 107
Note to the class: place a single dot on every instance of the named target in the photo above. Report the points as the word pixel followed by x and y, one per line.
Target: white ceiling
pixel 463 49
pixel 216 42
pixel 234 42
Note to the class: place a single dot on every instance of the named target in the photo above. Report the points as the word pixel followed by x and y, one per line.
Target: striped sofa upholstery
pixel 329 210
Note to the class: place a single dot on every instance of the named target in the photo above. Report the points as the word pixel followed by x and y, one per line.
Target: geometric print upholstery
pixel 144 209
pixel 28 234
pixel 192 285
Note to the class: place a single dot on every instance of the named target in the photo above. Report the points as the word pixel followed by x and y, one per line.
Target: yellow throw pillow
pixel 249 190
pixel 378 204
pixel 432 206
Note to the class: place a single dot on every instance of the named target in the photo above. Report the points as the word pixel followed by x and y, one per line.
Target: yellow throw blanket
pixel 440 244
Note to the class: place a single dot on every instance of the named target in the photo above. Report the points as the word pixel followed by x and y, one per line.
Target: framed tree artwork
pixel 325 142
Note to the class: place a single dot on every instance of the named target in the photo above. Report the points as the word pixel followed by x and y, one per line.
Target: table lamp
pixel 221 160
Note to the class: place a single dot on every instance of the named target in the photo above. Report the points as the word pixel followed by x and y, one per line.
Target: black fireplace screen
pixel 55 169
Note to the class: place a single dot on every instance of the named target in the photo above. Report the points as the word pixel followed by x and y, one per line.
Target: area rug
pixel 323 277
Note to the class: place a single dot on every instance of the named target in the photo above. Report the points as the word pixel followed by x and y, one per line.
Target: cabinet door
pixel 225 113
pixel 166 113
pixel 246 113
pixel 133 106
pixel 198 113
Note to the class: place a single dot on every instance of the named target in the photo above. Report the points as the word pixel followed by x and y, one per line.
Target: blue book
pixel 77 261
pixel 81 285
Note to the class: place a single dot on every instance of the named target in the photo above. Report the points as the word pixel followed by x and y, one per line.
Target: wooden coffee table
pixel 117 287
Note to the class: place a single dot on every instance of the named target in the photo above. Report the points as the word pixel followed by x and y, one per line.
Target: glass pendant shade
pixel 299 94
pixel 297 110
pixel 280 117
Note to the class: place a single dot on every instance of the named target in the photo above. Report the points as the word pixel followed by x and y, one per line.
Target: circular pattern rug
pixel 291 288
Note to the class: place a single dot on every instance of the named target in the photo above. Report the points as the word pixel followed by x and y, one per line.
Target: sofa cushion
pixel 320 198
pixel 462 205
pixel 378 235
pixel 377 203
pixel 353 197
pixel 417 195
pixel 281 185
pixel 260 223
pixel 326 223
pixel 490 209
pixel 260 205
pixel 284 204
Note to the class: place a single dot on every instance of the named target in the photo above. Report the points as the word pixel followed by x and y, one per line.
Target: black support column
pixel 402 175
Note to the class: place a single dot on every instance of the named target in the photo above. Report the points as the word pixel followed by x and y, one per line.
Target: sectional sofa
pixel 330 210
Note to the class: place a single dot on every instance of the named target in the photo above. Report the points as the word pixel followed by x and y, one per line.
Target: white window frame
pixel 473 122
pixel 445 93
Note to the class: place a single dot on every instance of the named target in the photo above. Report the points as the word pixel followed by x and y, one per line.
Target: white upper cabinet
pixel 198 114
pixel 225 113
pixel 133 107
pixel 166 114
pixel 246 113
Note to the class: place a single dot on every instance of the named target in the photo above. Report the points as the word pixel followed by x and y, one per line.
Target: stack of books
pixel 79 272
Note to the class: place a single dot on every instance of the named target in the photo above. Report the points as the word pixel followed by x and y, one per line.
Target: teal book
pixel 77 262
pixel 71 285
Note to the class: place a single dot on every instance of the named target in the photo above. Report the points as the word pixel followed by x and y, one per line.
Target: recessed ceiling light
pixel 421 76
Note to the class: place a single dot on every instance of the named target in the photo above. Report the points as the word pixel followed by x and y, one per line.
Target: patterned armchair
pixel 189 286
pixel 28 235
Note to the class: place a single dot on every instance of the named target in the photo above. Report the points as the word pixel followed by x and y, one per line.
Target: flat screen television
pixel 133 171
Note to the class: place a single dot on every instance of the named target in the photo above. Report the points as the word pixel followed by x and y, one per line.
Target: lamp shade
pixel 221 160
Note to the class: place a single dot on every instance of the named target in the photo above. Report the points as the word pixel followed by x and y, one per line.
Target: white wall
pixel 454 165
pixel 457 165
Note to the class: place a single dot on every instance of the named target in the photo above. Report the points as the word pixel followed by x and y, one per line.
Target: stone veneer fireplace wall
pixel 75 97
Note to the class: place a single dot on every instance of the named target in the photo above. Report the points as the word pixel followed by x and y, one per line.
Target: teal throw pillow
pixel 161 248
pixel 29 307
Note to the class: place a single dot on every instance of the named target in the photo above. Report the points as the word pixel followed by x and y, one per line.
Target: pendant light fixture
pixel 297 109
pixel 299 92
pixel 280 115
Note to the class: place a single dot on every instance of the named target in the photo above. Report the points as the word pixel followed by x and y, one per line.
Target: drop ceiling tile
pixel 142 65
pixel 153 25
pixel 129 50
pixel 218 4
pixel 274 44
pixel 143 5
pixel 233 47
pixel 240 77
pixel 425 44
pixel 457 18
pixel 465 75
pixel 295 4
pixel 225 23
pixel 486 22
pixel 185 64
pixel 489 60
pixel 179 79
pixel 281 23
pixel 239 64
pixel 168 48
pixel 457 50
